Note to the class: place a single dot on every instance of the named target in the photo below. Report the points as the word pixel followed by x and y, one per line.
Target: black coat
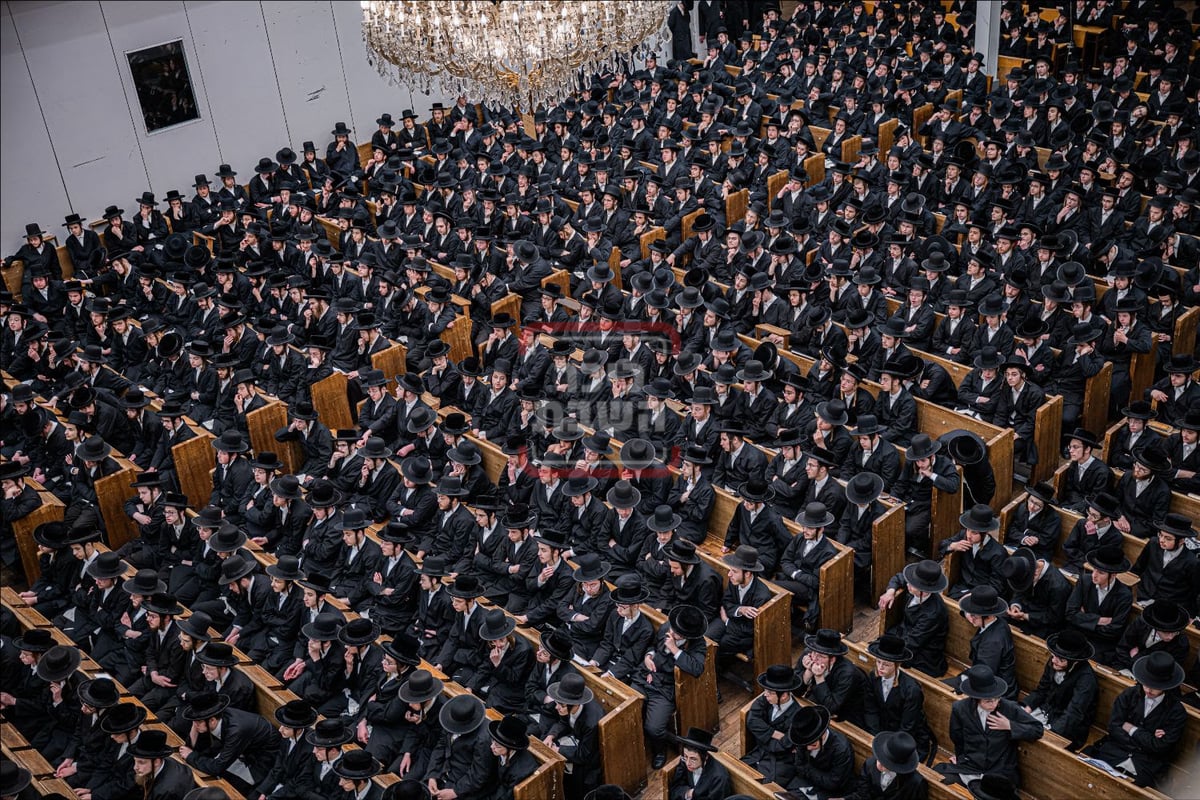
pixel 772 757
pixel 909 786
pixel 1070 706
pixel 244 736
pixel 1084 612
pixel 980 750
pixel 903 710
pixel 1151 755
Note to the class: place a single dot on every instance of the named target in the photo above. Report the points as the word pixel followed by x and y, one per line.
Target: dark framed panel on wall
pixel 164 85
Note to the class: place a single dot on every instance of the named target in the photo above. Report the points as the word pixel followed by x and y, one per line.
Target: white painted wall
pixel 265 74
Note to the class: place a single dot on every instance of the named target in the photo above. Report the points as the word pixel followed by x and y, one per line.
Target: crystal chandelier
pixel 513 53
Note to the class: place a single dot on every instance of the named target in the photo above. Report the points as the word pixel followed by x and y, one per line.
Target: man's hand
pixel 886 599
pixel 998 722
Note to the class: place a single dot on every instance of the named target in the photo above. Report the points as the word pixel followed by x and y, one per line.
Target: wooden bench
pixel 392 361
pixel 772 626
pixel 861 741
pixel 836 592
pixel 622 738
pixel 1048 769
pixel 1047 427
pixel 746 780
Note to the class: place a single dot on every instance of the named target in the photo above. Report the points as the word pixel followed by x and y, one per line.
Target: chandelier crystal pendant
pixel 514 53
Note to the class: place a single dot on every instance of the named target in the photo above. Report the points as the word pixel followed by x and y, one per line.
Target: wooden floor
pixel 866 622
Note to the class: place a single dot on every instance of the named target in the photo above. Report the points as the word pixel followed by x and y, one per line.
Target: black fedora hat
pixel 357 765
pixel 163 603
pixel 1177 525
pixel 981 683
pixel 980 518
pixel 329 733
pixel 1070 644
pixel 591 568
pixel 421 687
pixel 496 625
pixel 197 626
pixel 1019 568
pixel 826 641
pixel 983 601
pixel 206 704
pixel 463 714
pixel 14 779
pixel 324 628
pixel 1042 491
pixel 151 743
pixel 864 488
pixel 433 567
pixel 993 786
pixel 359 632
pixel 663 518
pixel 403 648
pixel 637 454
pixel 465 587
pixel 145 582
pixel 688 621
pixel 510 732
pixel 682 551
pixel 815 515
pixel 808 725
pixel 630 590
pixel 107 566
pixel 896 751
pixel 1108 559
pixel 557 643
pixel 1083 435
pixel 926 576
pixel 779 678
pixel 407 789
pixel 58 663
pixel 744 558
pixel 923 445
pixel 218 654
pixel 697 739
pixel 123 718
pixel 286 487
pixel 98 692
pixel 1158 670
pixel 35 639
pixel 756 490
pixel 572 690
pixel 1166 616
pixel 296 714
pixel 890 648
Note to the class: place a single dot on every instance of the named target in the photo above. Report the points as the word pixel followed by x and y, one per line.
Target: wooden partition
pixel 887 136
pixel 331 403
pixel 775 182
pixel 392 361
pixel 814 166
pixel 887 548
pixel 263 423
pixel 51 510
pixel 1094 416
pixel 944 512
pixel 194 461
pixel 111 493
pixel 737 202
pixel 509 304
